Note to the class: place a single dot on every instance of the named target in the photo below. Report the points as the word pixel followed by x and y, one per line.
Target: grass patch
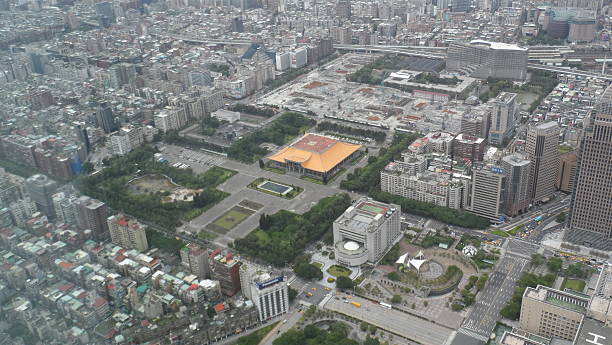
pixel 500 233
pixel 205 235
pixel 255 337
pixel 275 170
pixel 318 264
pixel 230 219
pixel 313 180
pixel 574 284
pixel 292 194
pixel 358 280
pixel 516 229
pixel 338 271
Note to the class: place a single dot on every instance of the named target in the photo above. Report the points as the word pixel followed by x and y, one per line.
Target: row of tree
pixel 279 132
pixel 368 178
pixel 172 137
pixel 361 132
pixel 253 110
pixel 283 236
pixel 512 309
pixel 337 334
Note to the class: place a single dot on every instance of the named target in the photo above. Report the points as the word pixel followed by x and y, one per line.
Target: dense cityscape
pixel 305 172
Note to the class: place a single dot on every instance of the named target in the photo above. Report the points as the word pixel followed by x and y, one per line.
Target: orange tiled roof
pixel 325 155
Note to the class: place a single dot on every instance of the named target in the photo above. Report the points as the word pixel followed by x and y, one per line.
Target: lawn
pixel 500 233
pixel 516 229
pixel 574 284
pixel 230 219
pixel 338 271
pixel 255 337
pixel 318 264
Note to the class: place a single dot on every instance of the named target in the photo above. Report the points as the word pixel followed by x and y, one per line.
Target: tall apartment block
pixel 41 190
pixel 269 292
pixel 226 269
pixel 366 231
pixel 488 194
pixel 543 151
pixel 590 221
pixel 503 113
pixel 552 313
pixel 483 59
pixel 195 258
pixel 92 215
pixel 566 175
pixel 516 168
pixel 128 233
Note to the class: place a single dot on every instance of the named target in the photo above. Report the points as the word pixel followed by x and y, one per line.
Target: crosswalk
pixel 472 333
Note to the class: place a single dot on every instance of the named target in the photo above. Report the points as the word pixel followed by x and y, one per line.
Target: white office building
pixel 366 231
pixel 269 293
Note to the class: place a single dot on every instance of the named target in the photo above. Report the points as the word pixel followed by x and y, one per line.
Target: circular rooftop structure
pixel 351 245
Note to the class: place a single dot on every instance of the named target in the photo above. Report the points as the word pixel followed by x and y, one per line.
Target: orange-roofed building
pixel 315 156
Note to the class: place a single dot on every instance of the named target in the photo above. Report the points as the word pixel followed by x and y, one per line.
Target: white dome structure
pixel 351 245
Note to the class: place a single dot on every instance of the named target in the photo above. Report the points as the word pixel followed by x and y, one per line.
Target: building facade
pixel 487 194
pixel 543 151
pixel 127 232
pixel 483 59
pixel 590 221
pixel 366 231
pixel 552 313
pixel 41 190
pixel 195 258
pixel 503 114
pixel 517 170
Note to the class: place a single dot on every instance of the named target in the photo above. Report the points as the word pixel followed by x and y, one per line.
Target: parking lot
pixel 392 320
pixel 199 161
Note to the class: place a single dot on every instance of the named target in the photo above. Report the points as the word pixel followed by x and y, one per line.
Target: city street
pixel 481 320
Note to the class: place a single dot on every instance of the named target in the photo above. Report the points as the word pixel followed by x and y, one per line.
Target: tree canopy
pixel 284 235
pixel 278 132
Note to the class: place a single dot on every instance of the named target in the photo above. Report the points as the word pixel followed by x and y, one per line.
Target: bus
pixel 385 305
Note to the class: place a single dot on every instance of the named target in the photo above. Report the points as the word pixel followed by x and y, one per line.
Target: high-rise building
pixel 128 233
pixel 552 313
pixel 460 5
pixel 65 207
pixel 105 119
pixel 366 231
pixel 237 25
pixel 195 258
pixel 488 192
pixel 483 59
pixel 92 215
pixel 22 210
pixel 105 13
pixel 226 269
pixel 542 148
pixel 590 221
pixel 503 114
pixel 41 189
pixel 268 292
pixel 567 172
pixel 516 168
pixel 343 8
pixel 81 133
